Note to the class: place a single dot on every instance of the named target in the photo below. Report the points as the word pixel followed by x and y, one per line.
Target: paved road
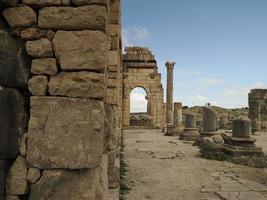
pixel 165 168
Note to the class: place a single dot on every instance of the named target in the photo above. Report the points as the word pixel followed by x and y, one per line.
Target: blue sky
pixel 219 46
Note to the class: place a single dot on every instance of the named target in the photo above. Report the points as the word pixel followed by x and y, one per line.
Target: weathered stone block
pixel 81 50
pixel 39 48
pixel 88 2
pixel 81 184
pixel 91 17
pixel 13 120
pixel 65 133
pixel 113 171
pixel 14 68
pixel 16 183
pixel 113 58
pixel 32 34
pixel 38 85
pixel 44 66
pixel 19 17
pixel 102 192
pixel 111 96
pixel 33 175
pixel 78 84
pixel 23 145
pixel 43 3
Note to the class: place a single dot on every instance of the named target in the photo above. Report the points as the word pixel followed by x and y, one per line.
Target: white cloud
pixel 210 82
pixel 138 101
pixel 237 96
pixel 198 100
pixel 183 72
pixel 134 34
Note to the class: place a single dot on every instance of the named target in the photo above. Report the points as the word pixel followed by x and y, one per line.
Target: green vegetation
pixel 123 171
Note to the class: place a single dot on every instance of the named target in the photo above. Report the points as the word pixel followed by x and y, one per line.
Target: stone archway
pixel 140 70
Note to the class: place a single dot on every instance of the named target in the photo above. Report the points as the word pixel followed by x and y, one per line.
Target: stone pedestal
pixel 210 141
pixel 241 148
pixel 169 130
pixel 169 99
pixel 191 132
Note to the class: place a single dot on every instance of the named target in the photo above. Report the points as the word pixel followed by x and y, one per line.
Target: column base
pixel 189 134
pixel 169 131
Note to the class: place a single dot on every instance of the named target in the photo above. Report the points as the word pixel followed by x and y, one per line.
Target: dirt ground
pixel 161 167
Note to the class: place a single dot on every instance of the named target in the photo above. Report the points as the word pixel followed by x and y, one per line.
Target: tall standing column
pixel 169 99
pixel 169 96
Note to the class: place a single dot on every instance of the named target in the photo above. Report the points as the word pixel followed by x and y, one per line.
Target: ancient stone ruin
pixel 140 70
pixel 65 97
pixel 191 132
pixel 240 148
pixel 258 109
pixel 169 99
pixel 60 98
pixel 178 118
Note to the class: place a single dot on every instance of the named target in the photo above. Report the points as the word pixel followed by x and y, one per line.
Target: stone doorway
pixel 139 107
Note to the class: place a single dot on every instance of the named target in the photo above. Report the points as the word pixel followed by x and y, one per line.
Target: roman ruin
pixel 178 118
pixel 240 148
pixel 257 99
pixel 191 132
pixel 61 90
pixel 210 141
pixel 140 70
pixel 65 125
pixel 169 99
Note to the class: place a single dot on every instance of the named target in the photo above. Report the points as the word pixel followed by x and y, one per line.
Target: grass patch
pixel 123 171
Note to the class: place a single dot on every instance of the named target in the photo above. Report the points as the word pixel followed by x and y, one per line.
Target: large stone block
pixel 77 84
pixel 13 120
pixel 81 184
pixel 65 133
pixel 81 50
pixel 93 17
pixel 39 48
pixel 20 17
pixel 14 65
pixel 16 183
pixel 42 3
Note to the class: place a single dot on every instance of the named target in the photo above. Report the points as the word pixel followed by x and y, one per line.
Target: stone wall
pixel 14 98
pixel 70 145
pixel 140 70
pixel 258 109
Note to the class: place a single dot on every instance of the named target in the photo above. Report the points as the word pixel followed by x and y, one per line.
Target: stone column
pixel 169 95
pixel 178 118
pixel 242 127
pixel 169 99
pixel 191 132
pixel 241 148
pixel 209 121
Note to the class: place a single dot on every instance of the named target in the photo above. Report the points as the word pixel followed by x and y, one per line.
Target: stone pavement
pixel 161 167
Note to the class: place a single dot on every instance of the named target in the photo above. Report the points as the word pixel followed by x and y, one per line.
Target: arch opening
pixel 139 107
